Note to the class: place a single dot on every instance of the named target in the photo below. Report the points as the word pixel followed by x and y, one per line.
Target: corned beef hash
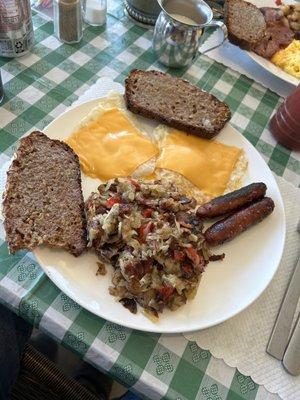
pixel 150 233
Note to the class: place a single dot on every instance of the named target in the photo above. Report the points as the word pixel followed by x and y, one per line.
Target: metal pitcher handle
pixel 219 25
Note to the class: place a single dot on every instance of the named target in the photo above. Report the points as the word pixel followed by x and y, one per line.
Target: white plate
pixel 226 288
pixel 263 62
pixel 273 69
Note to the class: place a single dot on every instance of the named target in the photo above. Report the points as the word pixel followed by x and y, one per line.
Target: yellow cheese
pixel 110 146
pixel 208 164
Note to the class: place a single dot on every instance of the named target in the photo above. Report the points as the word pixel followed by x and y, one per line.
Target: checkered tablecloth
pixel 39 87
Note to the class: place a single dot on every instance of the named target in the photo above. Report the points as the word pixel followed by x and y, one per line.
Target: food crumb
pixel 130 304
pixel 151 315
pixel 101 269
pixel 217 257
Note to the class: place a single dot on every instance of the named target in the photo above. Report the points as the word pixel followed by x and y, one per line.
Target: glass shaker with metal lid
pixel 16 29
pixel 67 18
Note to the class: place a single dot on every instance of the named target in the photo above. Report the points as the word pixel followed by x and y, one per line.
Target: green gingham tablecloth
pixel 39 87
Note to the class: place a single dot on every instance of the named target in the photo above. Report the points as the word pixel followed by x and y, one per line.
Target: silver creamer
pixel 179 31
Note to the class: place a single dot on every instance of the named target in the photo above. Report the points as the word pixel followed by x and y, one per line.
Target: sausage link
pixel 232 201
pixel 228 228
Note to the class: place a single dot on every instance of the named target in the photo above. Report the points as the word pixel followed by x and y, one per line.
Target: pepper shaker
pixel 67 20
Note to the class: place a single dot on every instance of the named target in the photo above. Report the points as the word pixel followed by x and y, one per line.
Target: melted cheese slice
pixel 208 164
pixel 110 146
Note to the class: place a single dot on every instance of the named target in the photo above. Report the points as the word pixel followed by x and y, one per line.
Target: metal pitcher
pixel 179 30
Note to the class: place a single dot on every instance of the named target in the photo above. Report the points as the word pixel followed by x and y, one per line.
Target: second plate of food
pixel 265 62
pixel 226 288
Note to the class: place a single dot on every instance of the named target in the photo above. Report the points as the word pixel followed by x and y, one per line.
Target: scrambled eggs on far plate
pixel 288 59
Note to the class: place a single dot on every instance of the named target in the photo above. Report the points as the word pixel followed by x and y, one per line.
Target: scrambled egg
pixel 288 59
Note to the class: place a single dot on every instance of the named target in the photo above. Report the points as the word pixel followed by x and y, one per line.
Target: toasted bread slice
pixel 245 23
pixel 43 202
pixel 175 102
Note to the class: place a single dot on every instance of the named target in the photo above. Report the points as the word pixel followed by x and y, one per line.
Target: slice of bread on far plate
pixel 43 202
pixel 245 23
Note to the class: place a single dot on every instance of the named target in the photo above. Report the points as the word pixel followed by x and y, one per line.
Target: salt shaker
pixel 67 20
pixel 94 12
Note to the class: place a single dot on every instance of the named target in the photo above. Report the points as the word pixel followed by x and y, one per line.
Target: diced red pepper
pixel 135 183
pixel 278 2
pixel 165 292
pixel 112 201
pixel 192 255
pixel 144 230
pixel 147 213
pixel 178 255
pixel 187 270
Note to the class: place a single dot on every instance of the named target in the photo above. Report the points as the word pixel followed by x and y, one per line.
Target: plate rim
pixel 275 71
pixel 157 328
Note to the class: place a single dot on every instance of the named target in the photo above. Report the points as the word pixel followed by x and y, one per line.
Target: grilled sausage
pixel 232 201
pixel 228 228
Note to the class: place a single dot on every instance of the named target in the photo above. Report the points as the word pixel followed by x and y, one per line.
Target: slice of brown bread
pixel 175 102
pixel 245 23
pixel 43 202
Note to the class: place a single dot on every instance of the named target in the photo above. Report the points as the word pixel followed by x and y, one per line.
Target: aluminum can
pixel 16 29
